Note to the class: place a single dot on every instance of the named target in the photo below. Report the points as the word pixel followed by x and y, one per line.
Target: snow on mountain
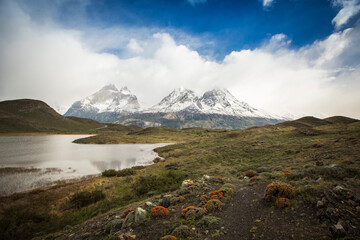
pixel 180 99
pixel 108 99
pixel 216 101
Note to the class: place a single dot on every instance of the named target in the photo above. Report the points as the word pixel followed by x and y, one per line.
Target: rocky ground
pixel 244 214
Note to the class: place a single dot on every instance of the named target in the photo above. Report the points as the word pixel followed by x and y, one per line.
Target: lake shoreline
pixel 28 162
pixel 81 181
pixel 42 133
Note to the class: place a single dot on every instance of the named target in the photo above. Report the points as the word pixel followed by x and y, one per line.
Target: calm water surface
pixel 56 158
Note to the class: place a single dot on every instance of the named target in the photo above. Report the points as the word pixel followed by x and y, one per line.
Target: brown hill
pixel 341 119
pixel 27 115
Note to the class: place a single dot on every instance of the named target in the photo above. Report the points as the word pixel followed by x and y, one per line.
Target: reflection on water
pixel 71 160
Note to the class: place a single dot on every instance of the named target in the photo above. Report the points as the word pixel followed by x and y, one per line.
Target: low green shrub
pixel 165 181
pixel 109 173
pixel 126 172
pixel 213 204
pixel 82 199
pixel 208 222
pixel 119 173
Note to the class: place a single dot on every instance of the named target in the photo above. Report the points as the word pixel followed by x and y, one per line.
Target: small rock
pixel 339 189
pixel 206 177
pixel 246 177
pixel 140 215
pixel 149 205
pixel 320 204
pixel 338 230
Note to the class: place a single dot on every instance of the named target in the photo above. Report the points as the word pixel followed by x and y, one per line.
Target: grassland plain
pixel 317 157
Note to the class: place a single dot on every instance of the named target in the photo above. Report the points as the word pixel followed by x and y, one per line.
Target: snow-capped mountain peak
pixel 179 99
pixel 110 87
pixel 217 101
pixel 107 100
pixel 221 101
pixel 125 90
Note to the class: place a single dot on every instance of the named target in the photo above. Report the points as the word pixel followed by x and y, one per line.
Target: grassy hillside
pixel 34 116
pixel 318 157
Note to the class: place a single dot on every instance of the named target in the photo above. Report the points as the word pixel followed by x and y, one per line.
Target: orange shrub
pixel 250 173
pixel 282 202
pixel 217 194
pixel 126 212
pixel 316 144
pixel 216 197
pixel 159 211
pixel 185 210
pixel 168 237
pixel 279 189
pixel 286 172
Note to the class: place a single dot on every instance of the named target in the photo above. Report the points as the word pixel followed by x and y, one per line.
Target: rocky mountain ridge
pixel 216 108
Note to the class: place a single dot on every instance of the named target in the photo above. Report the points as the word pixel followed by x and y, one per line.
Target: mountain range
pixel 182 108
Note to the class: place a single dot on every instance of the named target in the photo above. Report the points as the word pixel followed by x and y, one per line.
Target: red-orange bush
pixel 279 189
pixel 286 172
pixel 250 173
pixel 185 210
pixel 217 194
pixel 282 202
pixel 168 237
pixel 159 211
pixel 316 144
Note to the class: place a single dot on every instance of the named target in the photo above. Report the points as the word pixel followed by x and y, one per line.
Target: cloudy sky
pixel 298 57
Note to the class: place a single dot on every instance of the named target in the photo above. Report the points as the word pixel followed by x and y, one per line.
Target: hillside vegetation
pixel 319 158
pixel 34 116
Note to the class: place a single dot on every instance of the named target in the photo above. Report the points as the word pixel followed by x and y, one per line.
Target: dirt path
pixel 248 216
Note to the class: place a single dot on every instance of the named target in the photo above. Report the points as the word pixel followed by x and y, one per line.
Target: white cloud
pixel 349 9
pixel 194 2
pixel 134 46
pixel 60 67
pixel 267 3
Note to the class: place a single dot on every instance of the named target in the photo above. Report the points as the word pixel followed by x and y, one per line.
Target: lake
pixel 28 162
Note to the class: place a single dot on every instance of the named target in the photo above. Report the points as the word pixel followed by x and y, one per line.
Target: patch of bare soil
pixel 249 216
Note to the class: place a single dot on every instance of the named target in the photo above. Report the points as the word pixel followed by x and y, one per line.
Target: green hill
pixel 27 115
